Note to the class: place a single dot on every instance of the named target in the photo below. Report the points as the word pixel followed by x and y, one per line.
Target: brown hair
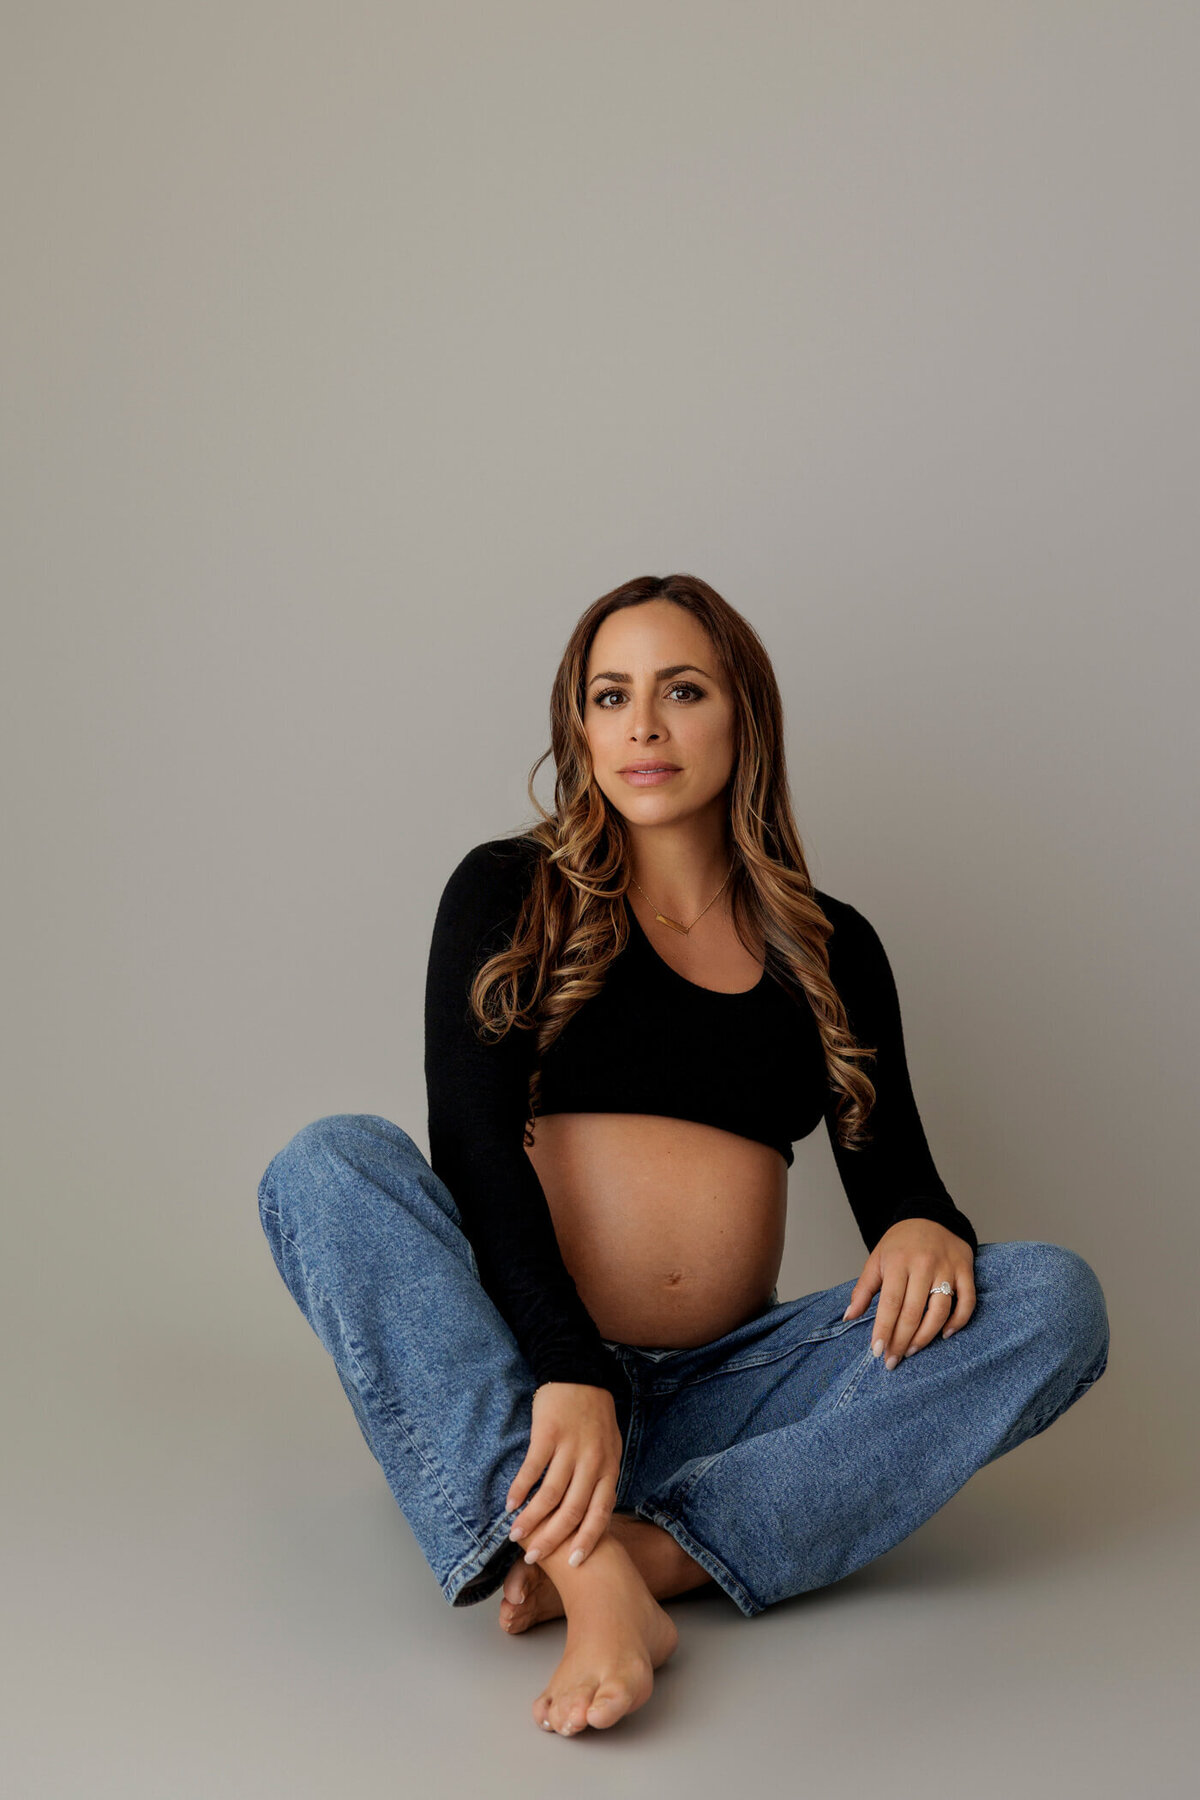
pixel 571 923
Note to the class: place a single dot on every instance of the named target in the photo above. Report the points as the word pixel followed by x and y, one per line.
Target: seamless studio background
pixel 349 352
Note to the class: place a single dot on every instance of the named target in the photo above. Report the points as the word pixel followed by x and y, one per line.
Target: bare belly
pixel 673 1232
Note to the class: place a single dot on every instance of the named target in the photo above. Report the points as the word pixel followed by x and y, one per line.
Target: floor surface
pixel 213 1597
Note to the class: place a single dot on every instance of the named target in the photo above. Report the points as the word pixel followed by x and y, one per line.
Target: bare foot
pixel 617 1635
pixel 529 1596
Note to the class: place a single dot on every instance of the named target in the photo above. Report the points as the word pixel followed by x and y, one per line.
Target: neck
pixel 680 867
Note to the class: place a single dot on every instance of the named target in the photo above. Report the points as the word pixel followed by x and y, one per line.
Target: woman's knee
pixel 298 1174
pixel 1065 1292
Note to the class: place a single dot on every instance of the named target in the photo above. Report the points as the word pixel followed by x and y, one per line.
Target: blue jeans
pixel 781 1457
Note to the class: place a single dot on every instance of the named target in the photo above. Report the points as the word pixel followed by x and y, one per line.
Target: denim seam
pixel 336 1170
pixel 633 1436
pixel 672 1524
pixel 477 1560
pixel 857 1371
pixel 380 1397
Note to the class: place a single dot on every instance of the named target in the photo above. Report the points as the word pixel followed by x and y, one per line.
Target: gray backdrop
pixel 350 352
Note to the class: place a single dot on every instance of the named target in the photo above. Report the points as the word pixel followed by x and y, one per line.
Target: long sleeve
pixel 478 1093
pixel 894 1176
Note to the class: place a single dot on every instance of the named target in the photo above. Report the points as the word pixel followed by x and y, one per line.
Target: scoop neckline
pixel 697 987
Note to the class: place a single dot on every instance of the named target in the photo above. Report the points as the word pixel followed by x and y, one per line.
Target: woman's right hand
pixel 576 1440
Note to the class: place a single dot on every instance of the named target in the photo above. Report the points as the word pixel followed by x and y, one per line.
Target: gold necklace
pixel 676 924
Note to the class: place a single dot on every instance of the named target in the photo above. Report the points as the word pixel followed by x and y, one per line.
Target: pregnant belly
pixel 672 1232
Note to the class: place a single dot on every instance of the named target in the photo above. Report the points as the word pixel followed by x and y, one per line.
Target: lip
pixel 651 777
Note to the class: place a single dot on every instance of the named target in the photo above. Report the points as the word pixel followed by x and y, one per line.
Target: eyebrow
pixel 659 674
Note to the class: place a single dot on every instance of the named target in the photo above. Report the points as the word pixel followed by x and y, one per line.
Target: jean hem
pixel 721 1574
pixel 472 1580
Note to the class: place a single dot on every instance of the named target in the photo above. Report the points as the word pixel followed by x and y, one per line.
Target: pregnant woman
pixel 561 1334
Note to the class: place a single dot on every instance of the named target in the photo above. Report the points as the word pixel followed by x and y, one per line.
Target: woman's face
pixel 654 693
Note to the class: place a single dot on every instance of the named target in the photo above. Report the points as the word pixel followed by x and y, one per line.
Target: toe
pixel 573 1712
pixel 609 1703
pixel 515 1582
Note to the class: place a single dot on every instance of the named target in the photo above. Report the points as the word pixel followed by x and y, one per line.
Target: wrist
pixel 561 1381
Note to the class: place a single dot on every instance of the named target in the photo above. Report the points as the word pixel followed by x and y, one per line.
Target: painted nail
pixel 911 1352
pixel 517 1533
pixel 575 1558
pixel 877 1347
pixel 891 1362
pixel 531 1556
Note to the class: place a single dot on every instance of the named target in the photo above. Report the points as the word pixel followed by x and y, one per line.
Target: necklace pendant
pixel 673 923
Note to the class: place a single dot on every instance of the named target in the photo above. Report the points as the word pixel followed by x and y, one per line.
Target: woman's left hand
pixel 910 1258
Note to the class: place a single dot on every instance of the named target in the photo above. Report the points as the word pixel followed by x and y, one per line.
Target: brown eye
pixel 688 687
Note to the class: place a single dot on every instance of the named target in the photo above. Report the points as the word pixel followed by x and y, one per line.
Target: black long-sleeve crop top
pixel 649 1041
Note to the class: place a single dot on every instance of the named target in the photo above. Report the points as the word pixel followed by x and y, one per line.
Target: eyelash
pixel 604 693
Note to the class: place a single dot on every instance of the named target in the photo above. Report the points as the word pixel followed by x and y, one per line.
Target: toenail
pixel 546 1725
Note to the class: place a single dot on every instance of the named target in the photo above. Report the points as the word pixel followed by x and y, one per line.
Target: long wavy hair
pixel 572 924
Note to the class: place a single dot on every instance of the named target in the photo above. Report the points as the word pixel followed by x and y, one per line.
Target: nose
pixel 643 723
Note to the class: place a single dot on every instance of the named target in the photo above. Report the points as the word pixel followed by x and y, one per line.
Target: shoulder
pixel 854 947
pixel 487 885
pixel 497 866
pixel 848 923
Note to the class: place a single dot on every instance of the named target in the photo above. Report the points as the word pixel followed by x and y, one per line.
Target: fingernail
pixel 846 1314
pixel 531 1556
pixel 910 1352
pixel 517 1532
pixel 891 1362
pixel 877 1347
pixel 575 1558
